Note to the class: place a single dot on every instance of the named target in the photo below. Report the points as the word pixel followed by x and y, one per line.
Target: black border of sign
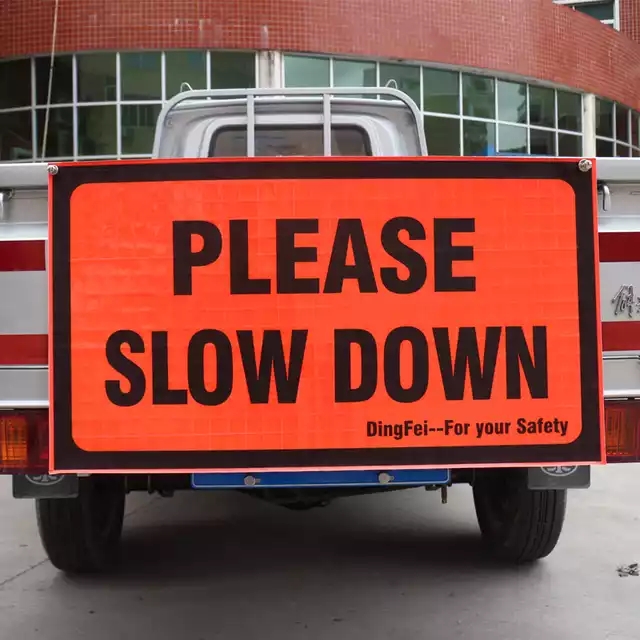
pixel 69 457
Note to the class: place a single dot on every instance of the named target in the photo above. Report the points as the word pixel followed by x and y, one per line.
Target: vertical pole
pixel 269 68
pixel 589 125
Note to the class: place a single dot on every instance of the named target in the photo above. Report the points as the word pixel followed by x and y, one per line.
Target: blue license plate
pixel 301 479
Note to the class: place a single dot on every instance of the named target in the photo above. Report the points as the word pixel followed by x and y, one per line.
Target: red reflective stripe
pixel 22 255
pixel 24 350
pixel 620 246
pixel 29 255
pixel 621 336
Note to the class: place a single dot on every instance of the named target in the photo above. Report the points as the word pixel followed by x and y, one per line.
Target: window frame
pixel 613 22
pixel 631 144
pixel 556 131
pixel 34 108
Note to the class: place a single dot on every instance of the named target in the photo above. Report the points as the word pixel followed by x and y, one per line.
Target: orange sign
pixel 333 316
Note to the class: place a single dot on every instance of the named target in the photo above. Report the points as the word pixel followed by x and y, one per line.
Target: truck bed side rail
pixel 619 227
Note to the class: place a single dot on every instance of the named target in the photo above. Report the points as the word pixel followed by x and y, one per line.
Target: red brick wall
pixel 532 38
pixel 630 18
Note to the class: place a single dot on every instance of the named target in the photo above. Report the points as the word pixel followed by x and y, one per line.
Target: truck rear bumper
pixel 621 375
pixel 25 388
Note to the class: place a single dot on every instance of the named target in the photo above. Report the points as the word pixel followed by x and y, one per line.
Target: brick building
pixel 515 76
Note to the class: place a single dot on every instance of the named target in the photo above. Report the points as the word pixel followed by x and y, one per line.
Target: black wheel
pixel 518 524
pixel 82 535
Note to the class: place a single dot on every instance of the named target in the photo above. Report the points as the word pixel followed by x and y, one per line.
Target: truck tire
pixel 82 534
pixel 518 524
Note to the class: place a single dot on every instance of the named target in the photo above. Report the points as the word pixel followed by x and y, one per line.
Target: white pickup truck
pixel 80 477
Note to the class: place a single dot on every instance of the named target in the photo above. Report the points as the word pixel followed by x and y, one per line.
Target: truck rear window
pixel 289 141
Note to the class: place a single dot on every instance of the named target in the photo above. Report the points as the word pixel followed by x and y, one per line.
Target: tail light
pixel 623 430
pixel 24 437
pixel 24 441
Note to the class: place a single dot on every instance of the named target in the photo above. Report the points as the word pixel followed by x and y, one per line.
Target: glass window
pixel 289 141
pixel 97 131
pixel 512 139
pixel 543 143
pixel 623 151
pixel 512 102
pixel 604 148
pixel 478 96
pixel 542 111
pixel 441 91
pixel 486 102
pixel 15 136
pixel 569 145
pixel 619 125
pixel 59 142
pixel 407 78
pixel 604 118
pixel 138 127
pixel 141 76
pixel 305 71
pixel 598 10
pixel 479 138
pixel 622 123
pixel 96 77
pixel 233 70
pixel 62 81
pixel 15 84
pixel 569 111
pixel 443 136
pixel 185 66
pixel 350 73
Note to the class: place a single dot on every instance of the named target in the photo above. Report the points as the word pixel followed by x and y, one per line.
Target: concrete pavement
pixel 394 567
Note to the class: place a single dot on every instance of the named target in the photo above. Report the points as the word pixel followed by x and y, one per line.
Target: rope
pixel 54 37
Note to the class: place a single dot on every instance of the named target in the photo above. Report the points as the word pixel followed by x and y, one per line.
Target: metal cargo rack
pixel 251 97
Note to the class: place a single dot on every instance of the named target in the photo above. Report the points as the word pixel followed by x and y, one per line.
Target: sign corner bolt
pixel 585 165
pixel 52 169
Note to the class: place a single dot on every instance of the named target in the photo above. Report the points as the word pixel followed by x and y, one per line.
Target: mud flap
pixel 576 477
pixel 45 486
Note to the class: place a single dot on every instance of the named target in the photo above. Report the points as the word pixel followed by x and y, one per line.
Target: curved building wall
pixel 490 76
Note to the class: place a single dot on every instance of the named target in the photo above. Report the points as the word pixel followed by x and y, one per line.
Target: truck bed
pixel 23 281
